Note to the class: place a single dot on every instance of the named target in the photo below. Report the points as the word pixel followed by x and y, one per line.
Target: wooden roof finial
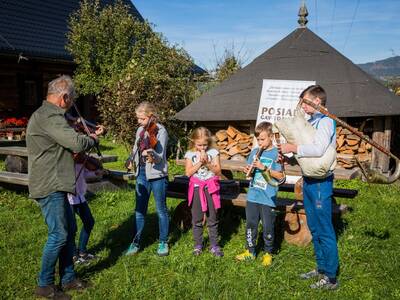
pixel 303 13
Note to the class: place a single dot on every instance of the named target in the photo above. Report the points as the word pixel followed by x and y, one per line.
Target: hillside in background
pixel 389 67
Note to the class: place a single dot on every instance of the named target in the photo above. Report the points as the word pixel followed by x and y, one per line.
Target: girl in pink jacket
pixel 203 167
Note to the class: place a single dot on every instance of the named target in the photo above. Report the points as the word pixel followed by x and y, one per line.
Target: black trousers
pixel 254 213
pixel 197 219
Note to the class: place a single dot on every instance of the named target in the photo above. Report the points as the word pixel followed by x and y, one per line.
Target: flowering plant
pixel 14 122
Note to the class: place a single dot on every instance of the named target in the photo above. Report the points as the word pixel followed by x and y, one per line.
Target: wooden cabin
pixel 32 53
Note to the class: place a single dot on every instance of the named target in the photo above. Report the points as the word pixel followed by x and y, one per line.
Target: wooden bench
pixel 22 179
pixel 23 152
pixel 232 165
pixel 14 178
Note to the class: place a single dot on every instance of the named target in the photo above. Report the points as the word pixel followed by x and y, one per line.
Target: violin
pixel 147 140
pixel 79 124
pixel 148 137
pixel 89 162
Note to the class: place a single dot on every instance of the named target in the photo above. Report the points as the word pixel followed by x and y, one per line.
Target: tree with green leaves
pixel 123 61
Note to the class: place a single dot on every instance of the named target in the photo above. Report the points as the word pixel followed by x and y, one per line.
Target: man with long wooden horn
pixel 317 193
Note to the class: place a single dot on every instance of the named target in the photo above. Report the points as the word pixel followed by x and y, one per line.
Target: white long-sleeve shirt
pixel 80 186
pixel 325 137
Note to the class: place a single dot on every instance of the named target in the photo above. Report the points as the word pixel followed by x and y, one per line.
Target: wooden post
pixel 387 142
pixel 381 135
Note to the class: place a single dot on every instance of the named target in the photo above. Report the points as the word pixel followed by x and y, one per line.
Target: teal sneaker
pixel 162 249
pixel 133 249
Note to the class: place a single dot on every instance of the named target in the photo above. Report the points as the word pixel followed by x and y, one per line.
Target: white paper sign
pixel 279 99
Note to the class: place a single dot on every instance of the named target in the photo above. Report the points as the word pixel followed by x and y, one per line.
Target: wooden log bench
pixel 113 180
pixel 14 178
pixel 23 152
pixel 294 170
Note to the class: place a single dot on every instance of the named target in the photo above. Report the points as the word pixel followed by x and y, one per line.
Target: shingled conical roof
pixel 302 55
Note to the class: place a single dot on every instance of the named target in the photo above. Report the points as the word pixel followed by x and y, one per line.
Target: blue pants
pixel 317 194
pixel 143 191
pixel 83 211
pixel 60 221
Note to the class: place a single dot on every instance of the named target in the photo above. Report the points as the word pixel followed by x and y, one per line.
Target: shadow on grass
pixel 230 218
pixel 118 239
pixel 105 148
pixel 229 221
pixel 378 234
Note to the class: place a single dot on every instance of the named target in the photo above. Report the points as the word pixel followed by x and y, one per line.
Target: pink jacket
pixel 213 187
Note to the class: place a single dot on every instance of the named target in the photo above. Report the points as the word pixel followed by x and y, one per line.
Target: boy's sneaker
pixel 162 249
pixel 325 283
pixel 216 251
pixel 311 274
pixel 133 249
pixel 246 255
pixel 197 250
pixel 266 259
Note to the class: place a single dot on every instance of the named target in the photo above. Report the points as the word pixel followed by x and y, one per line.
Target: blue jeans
pixel 143 191
pixel 83 211
pixel 59 246
pixel 317 194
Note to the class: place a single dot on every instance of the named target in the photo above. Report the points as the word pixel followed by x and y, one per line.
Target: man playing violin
pixel 50 142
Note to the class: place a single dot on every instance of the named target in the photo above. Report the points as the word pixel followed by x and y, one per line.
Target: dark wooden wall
pixel 23 86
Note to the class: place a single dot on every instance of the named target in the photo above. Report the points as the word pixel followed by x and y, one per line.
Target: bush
pixel 122 61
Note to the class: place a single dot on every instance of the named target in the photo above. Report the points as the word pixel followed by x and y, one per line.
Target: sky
pixel 362 30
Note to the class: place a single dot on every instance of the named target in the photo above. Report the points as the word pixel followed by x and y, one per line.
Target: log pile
pixel 236 145
pixel 233 144
pixel 349 148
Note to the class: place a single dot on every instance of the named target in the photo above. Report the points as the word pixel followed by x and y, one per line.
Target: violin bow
pixel 96 145
pixel 87 129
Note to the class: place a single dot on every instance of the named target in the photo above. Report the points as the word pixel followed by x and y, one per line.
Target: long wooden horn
pixel 379 179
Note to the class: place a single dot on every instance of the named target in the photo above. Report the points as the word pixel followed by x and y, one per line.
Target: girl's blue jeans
pixel 84 213
pixel 61 226
pixel 317 194
pixel 144 188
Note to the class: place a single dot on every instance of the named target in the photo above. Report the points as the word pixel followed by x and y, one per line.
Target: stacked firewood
pixel 351 148
pixel 233 144
pixel 236 145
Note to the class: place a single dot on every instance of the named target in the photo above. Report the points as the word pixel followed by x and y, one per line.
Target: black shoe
pixel 76 284
pixel 51 292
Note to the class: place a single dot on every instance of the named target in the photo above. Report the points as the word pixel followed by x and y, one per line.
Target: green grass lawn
pixel 369 241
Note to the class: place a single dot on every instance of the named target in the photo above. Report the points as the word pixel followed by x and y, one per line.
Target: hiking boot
pixel 325 283
pixel 76 284
pixel 197 250
pixel 246 255
pixel 133 249
pixel 266 259
pixel 51 292
pixel 312 274
pixel 216 251
pixel 162 249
